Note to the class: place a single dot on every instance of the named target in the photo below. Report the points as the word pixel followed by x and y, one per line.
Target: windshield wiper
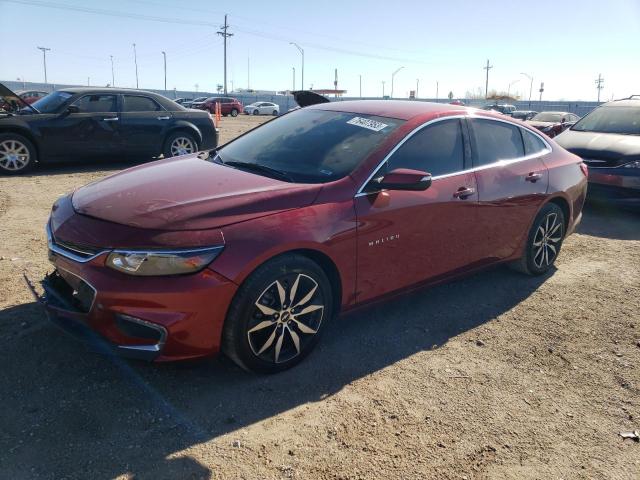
pixel 256 167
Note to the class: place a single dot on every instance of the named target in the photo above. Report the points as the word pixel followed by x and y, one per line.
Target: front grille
pixel 601 163
pixel 81 250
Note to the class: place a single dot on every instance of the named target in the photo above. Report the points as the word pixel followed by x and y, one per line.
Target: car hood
pixel 11 102
pixel 188 193
pixel 607 149
pixel 304 98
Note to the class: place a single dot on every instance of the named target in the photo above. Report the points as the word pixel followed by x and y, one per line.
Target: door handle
pixel 110 119
pixel 463 192
pixel 164 118
pixel 533 177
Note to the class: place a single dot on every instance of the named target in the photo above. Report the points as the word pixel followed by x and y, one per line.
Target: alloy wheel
pixel 182 146
pixel 546 241
pixel 14 155
pixel 286 317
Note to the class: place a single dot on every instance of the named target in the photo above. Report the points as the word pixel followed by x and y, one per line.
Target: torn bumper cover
pixel 68 301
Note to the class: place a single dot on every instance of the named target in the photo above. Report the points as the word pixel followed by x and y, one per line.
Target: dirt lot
pixel 495 376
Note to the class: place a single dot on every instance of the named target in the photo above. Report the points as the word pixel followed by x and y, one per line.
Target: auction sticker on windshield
pixel 366 123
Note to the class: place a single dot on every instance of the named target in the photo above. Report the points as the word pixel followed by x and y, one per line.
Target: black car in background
pixel 95 124
pixel 524 114
pixel 608 140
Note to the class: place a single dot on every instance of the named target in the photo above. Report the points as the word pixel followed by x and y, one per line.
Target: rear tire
pixel 17 154
pixel 278 315
pixel 543 241
pixel 179 143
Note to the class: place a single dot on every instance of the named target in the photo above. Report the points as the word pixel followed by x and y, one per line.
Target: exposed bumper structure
pixel 155 318
pixel 615 185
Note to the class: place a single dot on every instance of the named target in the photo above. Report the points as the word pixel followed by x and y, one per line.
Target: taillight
pixel 584 168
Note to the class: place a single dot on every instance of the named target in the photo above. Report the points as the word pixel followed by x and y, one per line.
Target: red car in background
pixel 553 123
pixel 228 105
pixel 31 96
pixel 254 249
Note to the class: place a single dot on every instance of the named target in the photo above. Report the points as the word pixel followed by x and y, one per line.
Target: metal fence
pixel 286 101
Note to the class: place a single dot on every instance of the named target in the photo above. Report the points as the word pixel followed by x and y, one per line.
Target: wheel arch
pixel 182 126
pixel 565 206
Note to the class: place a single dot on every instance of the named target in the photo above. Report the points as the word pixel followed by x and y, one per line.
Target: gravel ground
pixel 495 376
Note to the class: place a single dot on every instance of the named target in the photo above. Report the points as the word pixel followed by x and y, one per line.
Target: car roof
pixel 400 109
pixel 554 111
pixel 626 102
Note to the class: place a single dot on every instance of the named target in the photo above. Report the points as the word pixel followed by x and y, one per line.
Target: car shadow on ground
pixel 608 221
pixel 71 413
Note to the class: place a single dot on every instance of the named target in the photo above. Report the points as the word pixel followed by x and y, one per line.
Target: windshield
pixel 622 120
pixel 548 117
pixel 311 146
pixel 52 102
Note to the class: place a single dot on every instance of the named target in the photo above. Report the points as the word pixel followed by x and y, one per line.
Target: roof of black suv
pixel 632 101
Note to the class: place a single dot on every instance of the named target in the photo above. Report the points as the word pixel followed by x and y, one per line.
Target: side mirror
pixel 73 109
pixel 404 179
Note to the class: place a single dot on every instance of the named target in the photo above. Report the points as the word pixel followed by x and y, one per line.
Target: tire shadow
pixel 70 413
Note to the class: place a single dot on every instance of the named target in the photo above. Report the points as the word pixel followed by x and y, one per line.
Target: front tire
pixel 17 154
pixel 234 112
pixel 278 315
pixel 275 113
pixel 256 112
pixel 543 242
pixel 179 143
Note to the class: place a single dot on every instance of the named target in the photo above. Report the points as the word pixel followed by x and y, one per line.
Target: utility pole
pixel 164 55
pixel 530 86
pixel 294 79
pixel 437 86
pixel 360 86
pixel 393 75
pixel 135 59
pixel 417 86
pixel 44 59
pixel 486 85
pixel 383 89
pixel 541 90
pixel 599 85
pixel 248 74
pixel 301 50
pixel 113 77
pixel 224 34
pixel 335 83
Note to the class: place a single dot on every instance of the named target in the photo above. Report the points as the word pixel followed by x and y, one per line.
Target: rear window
pixel 532 143
pixel 548 117
pixel 312 146
pixel 135 103
pixel 494 141
pixel 622 120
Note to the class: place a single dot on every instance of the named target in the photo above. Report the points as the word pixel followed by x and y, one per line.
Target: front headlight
pixel 162 262
pixel 635 164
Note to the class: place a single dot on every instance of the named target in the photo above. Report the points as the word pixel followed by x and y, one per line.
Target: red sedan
pixel 252 249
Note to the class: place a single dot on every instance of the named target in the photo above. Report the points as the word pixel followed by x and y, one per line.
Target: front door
pixel 406 237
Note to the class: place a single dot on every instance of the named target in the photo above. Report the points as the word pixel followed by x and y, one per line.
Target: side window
pixel 97 104
pixel 495 141
pixel 226 100
pixel 437 149
pixel 532 143
pixel 135 103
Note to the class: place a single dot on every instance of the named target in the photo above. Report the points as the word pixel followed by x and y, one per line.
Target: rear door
pixel 405 237
pixel 143 124
pixel 512 183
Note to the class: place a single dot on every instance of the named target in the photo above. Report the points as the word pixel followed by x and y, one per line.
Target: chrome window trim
pixel 548 150
pixel 63 252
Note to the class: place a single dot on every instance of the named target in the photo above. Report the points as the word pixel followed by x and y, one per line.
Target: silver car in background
pixel 262 108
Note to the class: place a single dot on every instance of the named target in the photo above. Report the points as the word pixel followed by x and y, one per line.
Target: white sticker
pixel 368 124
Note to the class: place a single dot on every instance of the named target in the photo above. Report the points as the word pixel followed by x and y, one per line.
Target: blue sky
pixel 565 44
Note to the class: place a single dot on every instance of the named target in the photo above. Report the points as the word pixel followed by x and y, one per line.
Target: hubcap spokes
pixel 14 155
pixel 287 316
pixel 181 146
pixel 546 241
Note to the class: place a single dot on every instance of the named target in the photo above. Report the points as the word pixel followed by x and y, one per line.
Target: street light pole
pixel 383 89
pixel 530 77
pixel 135 59
pixel 44 59
pixel 509 89
pixel 113 77
pixel 360 86
pixel 301 50
pixel 417 86
pixel 393 75
pixel 437 86
pixel 294 79
pixel 164 55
